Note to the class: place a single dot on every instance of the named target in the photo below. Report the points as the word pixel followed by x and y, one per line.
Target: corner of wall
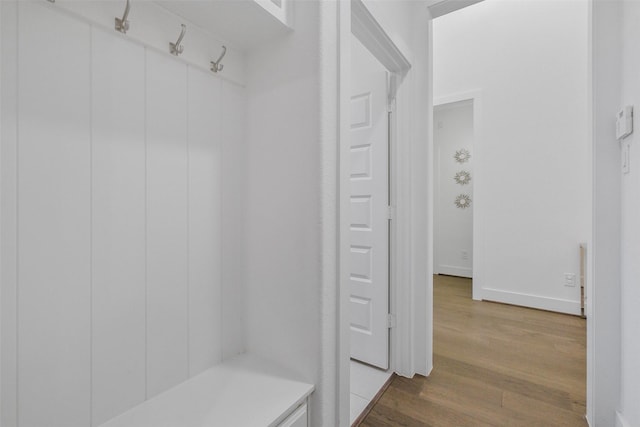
pixel 288 270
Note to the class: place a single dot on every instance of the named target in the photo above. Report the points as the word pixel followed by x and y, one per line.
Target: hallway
pixel 494 365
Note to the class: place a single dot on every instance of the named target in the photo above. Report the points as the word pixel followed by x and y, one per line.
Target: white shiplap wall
pixel 54 219
pixel 112 176
pixel 118 226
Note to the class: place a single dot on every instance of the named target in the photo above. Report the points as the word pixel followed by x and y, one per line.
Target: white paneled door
pixel 369 275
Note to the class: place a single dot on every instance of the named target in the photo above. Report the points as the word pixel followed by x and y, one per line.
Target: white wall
pixel 283 264
pixel 630 230
pixel 111 257
pixel 453 131
pixel 532 199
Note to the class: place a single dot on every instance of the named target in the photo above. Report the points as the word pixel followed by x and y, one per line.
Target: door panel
pixel 369 275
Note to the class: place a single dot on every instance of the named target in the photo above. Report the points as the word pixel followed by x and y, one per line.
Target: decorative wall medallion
pixel 462 178
pixel 463 201
pixel 462 156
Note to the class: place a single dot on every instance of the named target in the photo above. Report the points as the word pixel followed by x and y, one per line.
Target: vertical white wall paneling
pixel 118 239
pixel 54 279
pixel 111 220
pixel 205 288
pixel 234 193
pixel 167 299
pixel 8 181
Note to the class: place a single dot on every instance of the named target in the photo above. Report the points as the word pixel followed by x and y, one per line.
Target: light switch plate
pixel 624 122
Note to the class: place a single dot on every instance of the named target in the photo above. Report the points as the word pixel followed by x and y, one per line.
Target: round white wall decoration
pixel 463 201
pixel 462 178
pixel 462 156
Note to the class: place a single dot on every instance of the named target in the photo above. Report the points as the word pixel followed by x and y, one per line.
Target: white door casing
pixel 369 228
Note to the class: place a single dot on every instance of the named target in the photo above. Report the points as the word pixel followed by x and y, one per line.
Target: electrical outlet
pixel 465 255
pixel 570 279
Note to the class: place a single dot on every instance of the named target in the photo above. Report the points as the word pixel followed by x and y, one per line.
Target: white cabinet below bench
pixel 299 418
pixel 243 392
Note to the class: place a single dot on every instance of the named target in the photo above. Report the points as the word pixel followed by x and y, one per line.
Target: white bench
pixel 243 392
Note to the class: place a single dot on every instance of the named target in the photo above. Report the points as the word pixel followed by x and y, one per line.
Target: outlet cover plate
pixel 570 280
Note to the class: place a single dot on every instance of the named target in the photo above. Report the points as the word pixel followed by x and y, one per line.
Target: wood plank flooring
pixel 494 365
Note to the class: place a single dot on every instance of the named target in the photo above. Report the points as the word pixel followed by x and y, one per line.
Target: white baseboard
pixel 452 270
pixel 532 301
pixel 620 421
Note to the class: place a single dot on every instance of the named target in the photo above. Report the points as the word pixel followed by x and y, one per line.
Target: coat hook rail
pixel 122 24
pixel 216 65
pixel 176 48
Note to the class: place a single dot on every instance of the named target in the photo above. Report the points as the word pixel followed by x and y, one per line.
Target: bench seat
pixel 245 391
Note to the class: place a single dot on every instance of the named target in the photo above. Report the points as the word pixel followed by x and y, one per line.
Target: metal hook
pixel 216 65
pixel 122 24
pixel 175 48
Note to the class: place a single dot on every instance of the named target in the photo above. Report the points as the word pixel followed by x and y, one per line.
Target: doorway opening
pixel 457 232
pixel 453 138
pixel 527 212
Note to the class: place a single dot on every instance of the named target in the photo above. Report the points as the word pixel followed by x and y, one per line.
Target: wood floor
pixel 494 365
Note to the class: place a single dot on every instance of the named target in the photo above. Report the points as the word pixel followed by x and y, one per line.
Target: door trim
pixel 371 34
pixel 355 19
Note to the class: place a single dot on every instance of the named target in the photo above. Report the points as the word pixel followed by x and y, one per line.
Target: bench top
pixel 245 391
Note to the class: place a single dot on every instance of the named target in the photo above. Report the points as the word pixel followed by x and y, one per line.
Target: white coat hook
pixel 216 65
pixel 175 48
pixel 122 24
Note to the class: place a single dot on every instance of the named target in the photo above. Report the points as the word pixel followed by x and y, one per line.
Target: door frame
pixel 475 96
pixel 356 20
